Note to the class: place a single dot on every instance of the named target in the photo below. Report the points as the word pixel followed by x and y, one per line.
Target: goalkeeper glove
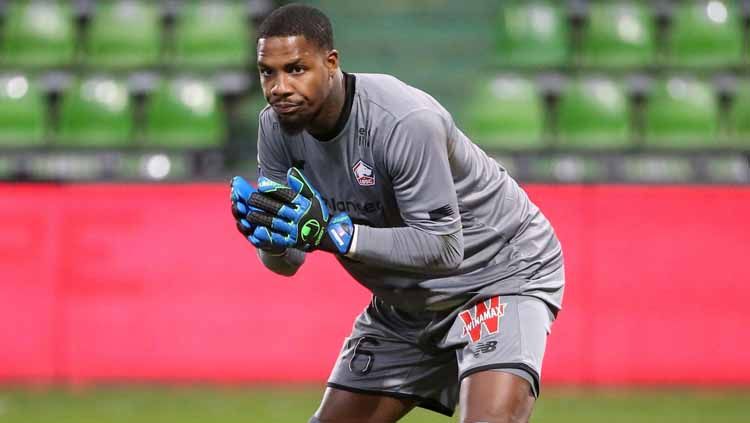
pixel 301 216
pixel 250 219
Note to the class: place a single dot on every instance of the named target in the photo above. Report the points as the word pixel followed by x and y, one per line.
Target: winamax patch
pixel 364 174
pixel 486 314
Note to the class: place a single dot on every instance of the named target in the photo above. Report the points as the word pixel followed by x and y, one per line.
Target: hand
pixel 249 219
pixel 302 218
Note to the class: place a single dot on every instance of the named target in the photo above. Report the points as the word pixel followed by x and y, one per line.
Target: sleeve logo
pixel 441 212
pixel 364 174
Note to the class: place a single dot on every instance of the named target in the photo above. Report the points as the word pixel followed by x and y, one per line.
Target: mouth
pixel 285 108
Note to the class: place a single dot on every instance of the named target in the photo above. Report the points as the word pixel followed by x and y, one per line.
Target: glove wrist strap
pixel 340 232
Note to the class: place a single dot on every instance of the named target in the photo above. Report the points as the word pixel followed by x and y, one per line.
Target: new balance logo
pixel 486 314
pixel 363 137
pixel 484 347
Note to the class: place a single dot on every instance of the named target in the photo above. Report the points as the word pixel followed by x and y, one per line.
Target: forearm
pixel 285 264
pixel 408 249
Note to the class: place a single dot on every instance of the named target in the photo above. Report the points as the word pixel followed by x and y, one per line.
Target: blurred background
pixel 125 293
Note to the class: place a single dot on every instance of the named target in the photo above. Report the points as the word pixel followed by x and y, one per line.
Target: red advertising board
pixel 151 282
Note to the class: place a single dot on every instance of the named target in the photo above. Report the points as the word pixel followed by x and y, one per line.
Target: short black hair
pixel 298 19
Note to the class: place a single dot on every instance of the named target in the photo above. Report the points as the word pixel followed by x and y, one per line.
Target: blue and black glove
pixel 300 216
pixel 250 217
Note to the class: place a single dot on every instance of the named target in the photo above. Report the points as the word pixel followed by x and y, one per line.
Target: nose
pixel 281 87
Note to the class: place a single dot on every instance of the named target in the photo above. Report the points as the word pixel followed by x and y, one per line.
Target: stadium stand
pixel 22 112
pixel 705 34
pixel 507 114
pixel 124 34
pixel 532 34
pixel 95 111
pixel 618 35
pixel 681 113
pixel 184 113
pixel 593 114
pixel 212 34
pixel 38 34
pixel 546 85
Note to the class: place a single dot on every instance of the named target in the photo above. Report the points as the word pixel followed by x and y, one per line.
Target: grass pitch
pixel 163 404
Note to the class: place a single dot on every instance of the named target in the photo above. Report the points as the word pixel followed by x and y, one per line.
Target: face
pixel 297 77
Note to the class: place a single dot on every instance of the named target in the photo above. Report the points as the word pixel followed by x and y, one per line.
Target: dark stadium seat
pixel 124 34
pixel 593 114
pixel 532 34
pixel 618 34
pixel 22 111
pixel 95 112
pixel 184 113
pixel 706 34
pixel 38 34
pixel 212 34
pixel 506 113
pixel 681 113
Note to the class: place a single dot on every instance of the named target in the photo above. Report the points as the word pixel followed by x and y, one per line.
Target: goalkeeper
pixel 466 272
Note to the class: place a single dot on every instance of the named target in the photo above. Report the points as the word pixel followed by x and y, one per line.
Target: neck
pixel 329 114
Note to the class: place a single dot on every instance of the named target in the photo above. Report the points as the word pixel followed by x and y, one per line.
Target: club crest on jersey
pixel 364 174
pixel 486 314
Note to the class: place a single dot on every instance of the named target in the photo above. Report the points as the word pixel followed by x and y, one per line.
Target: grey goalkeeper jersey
pixel 400 161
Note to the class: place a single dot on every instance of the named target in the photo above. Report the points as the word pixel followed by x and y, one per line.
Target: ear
pixel 332 61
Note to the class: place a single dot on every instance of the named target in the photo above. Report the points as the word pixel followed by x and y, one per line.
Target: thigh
pixel 381 358
pixel 496 397
pixel 507 333
pixel 340 406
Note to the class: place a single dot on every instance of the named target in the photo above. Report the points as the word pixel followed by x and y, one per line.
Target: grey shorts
pixel 382 355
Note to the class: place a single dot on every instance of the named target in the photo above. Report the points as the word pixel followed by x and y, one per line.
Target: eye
pixel 266 72
pixel 297 69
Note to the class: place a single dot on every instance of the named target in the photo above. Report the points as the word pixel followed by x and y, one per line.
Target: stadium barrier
pixel 151 282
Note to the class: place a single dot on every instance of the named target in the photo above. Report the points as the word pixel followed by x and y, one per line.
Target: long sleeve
pixel 416 159
pixel 408 249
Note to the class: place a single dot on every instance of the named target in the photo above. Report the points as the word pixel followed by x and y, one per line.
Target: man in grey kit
pixel 466 273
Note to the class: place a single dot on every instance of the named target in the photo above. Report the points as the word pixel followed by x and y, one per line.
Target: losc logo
pixel 363 173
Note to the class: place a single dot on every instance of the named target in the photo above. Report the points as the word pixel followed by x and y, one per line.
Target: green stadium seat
pixel 532 34
pixel 124 34
pixel 739 118
pixel 22 112
pixel 184 113
pixel 706 34
pixel 593 114
pixel 212 34
pixel 506 114
pixel 95 112
pixel 618 35
pixel 38 34
pixel 681 113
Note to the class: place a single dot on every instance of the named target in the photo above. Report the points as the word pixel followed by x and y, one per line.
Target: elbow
pixel 453 252
pixel 286 265
pixel 282 270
